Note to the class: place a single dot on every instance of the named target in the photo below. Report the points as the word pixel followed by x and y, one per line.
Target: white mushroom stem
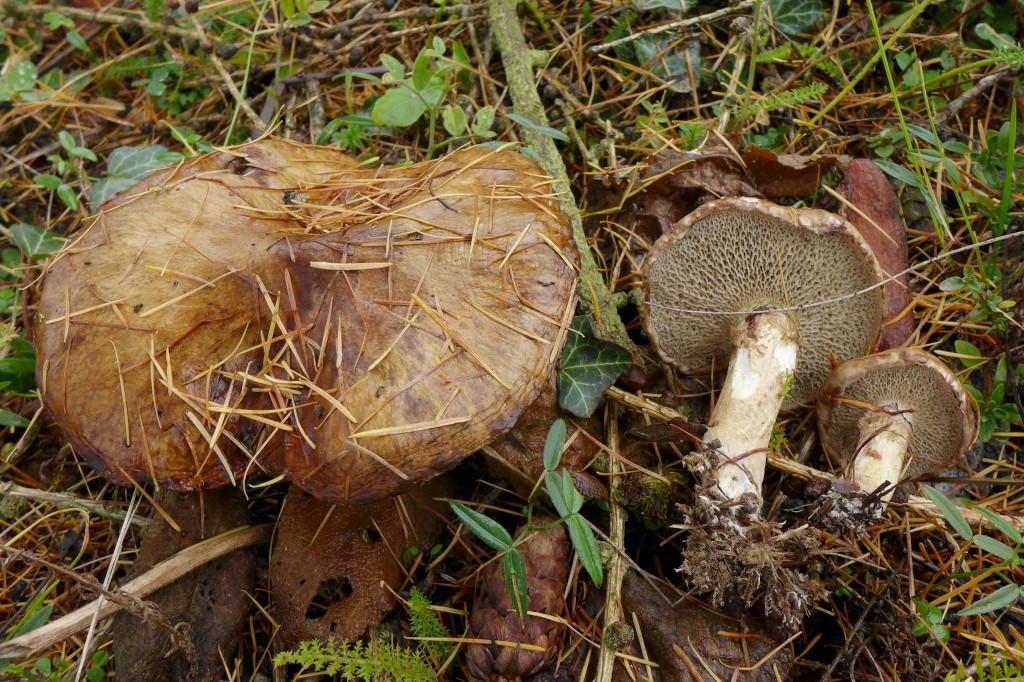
pixel 882 446
pixel 764 356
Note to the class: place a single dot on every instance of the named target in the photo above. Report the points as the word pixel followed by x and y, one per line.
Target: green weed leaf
pixel 793 16
pixel 589 365
pixel 400 107
pixel 993 546
pixel 952 514
pixel 454 120
pixel 972 356
pixel 897 171
pixel 515 581
pixel 543 130
pixel 1002 524
pixel 484 527
pixel 586 547
pixel 125 167
pixel 393 66
pixel 8 418
pixel 1004 596
pixel 36 242
pixel 553 445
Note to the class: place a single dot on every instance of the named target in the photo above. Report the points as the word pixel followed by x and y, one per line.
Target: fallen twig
pixel 152 580
pixel 515 57
pixel 919 504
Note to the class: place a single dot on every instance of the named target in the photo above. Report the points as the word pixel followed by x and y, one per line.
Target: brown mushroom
pixel 874 210
pixel 756 285
pixel 277 306
pixel 898 413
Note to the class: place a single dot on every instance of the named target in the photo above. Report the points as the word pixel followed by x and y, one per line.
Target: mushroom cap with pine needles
pixel 743 254
pixel 277 308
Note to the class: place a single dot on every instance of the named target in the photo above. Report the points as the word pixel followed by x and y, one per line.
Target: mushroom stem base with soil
pixel 885 434
pixel 764 355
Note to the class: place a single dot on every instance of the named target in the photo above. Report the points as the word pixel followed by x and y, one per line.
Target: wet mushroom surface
pixel 279 309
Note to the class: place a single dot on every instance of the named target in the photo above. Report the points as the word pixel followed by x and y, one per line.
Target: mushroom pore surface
pixel 941 427
pixel 742 254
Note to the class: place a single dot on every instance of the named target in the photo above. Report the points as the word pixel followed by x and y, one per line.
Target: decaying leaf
pixel 674 183
pixel 494 618
pixel 277 307
pixel 214 599
pixel 332 566
pixel 687 638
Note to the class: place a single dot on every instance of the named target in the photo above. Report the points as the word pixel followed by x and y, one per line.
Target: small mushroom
pixel 898 413
pixel 772 291
pixel 279 308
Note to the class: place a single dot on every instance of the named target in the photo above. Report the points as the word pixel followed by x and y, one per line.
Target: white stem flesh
pixel 882 447
pixel 765 348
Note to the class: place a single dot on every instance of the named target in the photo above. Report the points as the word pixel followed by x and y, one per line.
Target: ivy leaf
pixel 35 241
pixel 125 167
pixel 586 547
pixel 484 527
pixel 399 107
pixel 793 16
pixel 515 580
pixel 588 366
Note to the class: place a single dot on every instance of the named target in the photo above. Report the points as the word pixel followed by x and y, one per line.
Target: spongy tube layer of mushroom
pixel 277 308
pixel 772 291
pixel 893 415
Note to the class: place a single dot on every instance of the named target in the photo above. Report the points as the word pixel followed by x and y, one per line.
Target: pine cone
pixel 494 616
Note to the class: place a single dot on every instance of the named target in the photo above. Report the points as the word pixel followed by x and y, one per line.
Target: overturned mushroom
pixel 277 306
pixel 899 413
pixel 773 292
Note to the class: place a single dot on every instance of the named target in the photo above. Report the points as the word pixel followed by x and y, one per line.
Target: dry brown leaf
pixel 331 563
pixel 214 599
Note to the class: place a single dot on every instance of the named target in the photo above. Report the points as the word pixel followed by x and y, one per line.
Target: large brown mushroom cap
pixel 743 254
pixel 939 409
pixel 355 330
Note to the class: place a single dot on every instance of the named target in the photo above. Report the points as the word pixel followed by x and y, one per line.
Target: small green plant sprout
pixel 424 622
pixel 350 133
pixel 991 665
pixel 65 166
pixel 996 417
pixel 56 20
pixel 567 502
pixel 17 78
pixel 359 661
pixel 299 12
pixel 1009 557
pixel 787 385
pixel 423 91
pixel 979 288
pixel 929 621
